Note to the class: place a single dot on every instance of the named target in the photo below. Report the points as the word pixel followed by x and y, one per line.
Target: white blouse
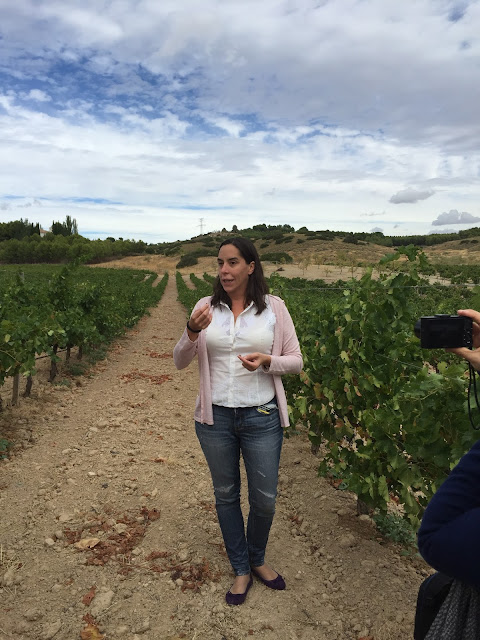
pixel 232 384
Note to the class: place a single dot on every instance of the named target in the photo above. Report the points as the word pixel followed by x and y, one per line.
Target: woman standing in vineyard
pixel 245 340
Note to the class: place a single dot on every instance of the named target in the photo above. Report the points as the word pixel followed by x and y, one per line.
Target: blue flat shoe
pixel 277 583
pixel 238 598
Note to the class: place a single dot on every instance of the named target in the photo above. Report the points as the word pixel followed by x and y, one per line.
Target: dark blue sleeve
pixel 449 535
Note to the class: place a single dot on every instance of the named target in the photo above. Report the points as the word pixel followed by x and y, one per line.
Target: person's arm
pixel 473 356
pixel 449 535
pixel 200 319
pixel 289 361
pixel 186 348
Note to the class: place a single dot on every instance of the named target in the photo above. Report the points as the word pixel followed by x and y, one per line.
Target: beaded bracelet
pixel 192 330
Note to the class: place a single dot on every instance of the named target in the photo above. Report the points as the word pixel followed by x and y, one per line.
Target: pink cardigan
pixel 286 358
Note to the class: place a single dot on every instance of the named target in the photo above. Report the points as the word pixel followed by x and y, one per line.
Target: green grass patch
pixel 277 256
pixel 76 368
pixel 396 529
pixel 63 382
pixel 95 354
pixel 4 447
pixel 188 260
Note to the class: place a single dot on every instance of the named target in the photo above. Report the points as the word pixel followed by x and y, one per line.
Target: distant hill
pixel 339 248
pixel 22 242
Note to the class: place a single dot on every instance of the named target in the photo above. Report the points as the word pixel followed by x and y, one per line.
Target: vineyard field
pixel 116 457
pixel 390 418
pixel 45 308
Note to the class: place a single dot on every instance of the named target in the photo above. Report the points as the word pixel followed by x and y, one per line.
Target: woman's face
pixel 233 271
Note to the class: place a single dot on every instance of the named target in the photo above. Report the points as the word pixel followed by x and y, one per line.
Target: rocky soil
pixel 108 527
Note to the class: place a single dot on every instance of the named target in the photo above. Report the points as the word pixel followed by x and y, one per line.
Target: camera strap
pixel 472 382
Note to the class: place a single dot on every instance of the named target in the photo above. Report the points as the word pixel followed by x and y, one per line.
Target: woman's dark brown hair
pixel 257 286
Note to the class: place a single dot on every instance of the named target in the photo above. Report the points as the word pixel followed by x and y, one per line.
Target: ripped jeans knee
pixel 227 494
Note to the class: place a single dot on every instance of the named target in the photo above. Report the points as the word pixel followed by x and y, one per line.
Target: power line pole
pixel 201 225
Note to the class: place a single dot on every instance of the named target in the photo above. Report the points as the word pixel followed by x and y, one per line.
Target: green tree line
pixel 20 241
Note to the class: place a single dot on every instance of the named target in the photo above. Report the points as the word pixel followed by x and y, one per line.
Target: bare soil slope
pixel 329 260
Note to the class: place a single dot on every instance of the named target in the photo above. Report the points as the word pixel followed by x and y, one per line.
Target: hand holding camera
pixel 457 334
pixel 472 356
pixel 443 331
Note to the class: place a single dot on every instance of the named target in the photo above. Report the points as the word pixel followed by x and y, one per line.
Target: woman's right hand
pixel 473 356
pixel 199 320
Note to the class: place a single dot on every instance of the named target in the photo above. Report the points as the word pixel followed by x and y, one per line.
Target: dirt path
pixel 116 460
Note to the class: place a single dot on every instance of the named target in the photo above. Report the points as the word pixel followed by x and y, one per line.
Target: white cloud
pixel 313 112
pixel 440 231
pixel 455 217
pixel 87 25
pixel 38 95
pixel 231 127
pixel 411 196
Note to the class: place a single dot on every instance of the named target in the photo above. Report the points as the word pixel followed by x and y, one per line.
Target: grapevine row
pixel 73 307
pixel 389 417
pixel 188 297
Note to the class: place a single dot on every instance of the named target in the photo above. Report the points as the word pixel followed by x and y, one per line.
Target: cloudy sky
pixel 147 119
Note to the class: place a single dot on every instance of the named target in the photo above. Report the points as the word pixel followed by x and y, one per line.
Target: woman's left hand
pixel 254 360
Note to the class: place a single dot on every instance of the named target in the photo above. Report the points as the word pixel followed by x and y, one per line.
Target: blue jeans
pixel 256 433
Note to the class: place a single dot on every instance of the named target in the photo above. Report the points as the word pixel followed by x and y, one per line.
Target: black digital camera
pixel 444 332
